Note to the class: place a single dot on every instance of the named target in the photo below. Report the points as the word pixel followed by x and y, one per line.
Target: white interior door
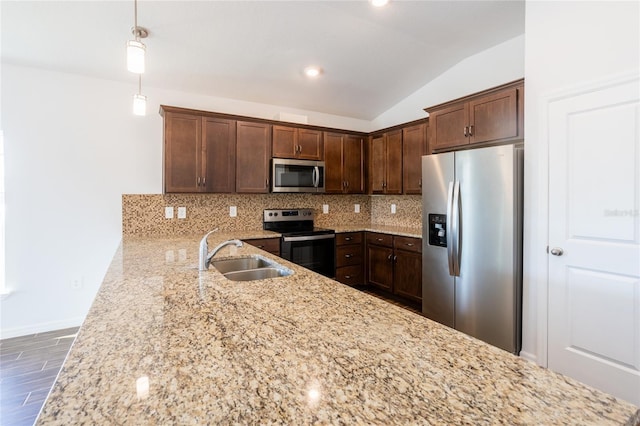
pixel 594 236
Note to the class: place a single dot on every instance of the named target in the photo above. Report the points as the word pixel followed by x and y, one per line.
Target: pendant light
pixel 135 48
pixel 139 100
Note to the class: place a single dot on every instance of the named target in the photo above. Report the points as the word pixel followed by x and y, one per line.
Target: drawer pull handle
pixel 348 239
pixel 380 239
pixel 348 256
pixel 410 244
pixel 347 276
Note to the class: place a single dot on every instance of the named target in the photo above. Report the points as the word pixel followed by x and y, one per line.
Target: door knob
pixel 557 251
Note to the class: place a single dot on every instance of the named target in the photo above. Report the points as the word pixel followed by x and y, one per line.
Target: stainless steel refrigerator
pixel 472 242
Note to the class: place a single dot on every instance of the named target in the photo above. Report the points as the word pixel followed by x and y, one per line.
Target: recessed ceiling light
pixel 312 72
pixel 379 3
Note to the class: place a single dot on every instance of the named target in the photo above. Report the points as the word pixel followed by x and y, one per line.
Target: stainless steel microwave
pixel 297 175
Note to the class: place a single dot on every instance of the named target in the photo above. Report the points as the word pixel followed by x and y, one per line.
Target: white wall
pixel 495 66
pixel 567 44
pixel 72 149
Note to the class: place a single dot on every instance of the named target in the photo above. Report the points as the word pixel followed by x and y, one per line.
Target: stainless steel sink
pixel 249 268
pixel 256 274
pixel 240 264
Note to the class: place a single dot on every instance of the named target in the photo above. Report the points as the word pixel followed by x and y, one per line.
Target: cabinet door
pixel 333 179
pixel 447 127
pixel 182 153
pixel 285 142
pixel 219 152
pixel 379 266
pixel 377 165
pixel 253 153
pixel 272 245
pixel 310 144
pixel 414 146
pixel 353 164
pixel 494 117
pixel 394 163
pixel 407 275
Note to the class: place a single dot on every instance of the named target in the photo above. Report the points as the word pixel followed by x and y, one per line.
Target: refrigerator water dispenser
pixel 437 230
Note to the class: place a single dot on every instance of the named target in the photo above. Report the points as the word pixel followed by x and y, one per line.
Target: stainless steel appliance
pixel 301 242
pixel 472 242
pixel 297 175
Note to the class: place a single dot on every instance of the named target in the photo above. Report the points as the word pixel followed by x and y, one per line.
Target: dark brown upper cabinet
pixel 292 142
pixel 414 146
pixel 490 117
pixel 344 163
pixel 199 153
pixel 385 163
pixel 253 157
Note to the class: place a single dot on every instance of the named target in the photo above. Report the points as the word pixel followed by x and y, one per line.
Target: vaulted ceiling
pixel 256 50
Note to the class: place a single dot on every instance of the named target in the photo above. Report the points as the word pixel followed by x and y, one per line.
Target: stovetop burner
pixel 292 222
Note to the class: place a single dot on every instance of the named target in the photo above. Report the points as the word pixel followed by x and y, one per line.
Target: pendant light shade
pixel 135 56
pixel 139 104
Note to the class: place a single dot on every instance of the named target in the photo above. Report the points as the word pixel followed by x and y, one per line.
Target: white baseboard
pixel 7 333
pixel 529 357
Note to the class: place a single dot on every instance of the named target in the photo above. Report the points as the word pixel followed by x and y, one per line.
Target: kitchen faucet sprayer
pixel 205 259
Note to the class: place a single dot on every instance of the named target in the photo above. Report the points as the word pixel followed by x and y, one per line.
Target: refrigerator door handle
pixel 449 229
pixel 455 227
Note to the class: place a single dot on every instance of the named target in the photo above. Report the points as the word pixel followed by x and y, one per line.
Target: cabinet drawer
pixel 380 239
pixel 351 275
pixel 272 245
pixel 348 238
pixel 408 244
pixel 348 255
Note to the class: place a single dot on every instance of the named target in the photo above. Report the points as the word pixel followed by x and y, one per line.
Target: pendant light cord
pixel 135 20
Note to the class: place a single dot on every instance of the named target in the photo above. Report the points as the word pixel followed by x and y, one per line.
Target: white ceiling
pixel 256 50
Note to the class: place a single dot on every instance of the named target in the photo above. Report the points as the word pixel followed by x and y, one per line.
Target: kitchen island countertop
pixel 166 344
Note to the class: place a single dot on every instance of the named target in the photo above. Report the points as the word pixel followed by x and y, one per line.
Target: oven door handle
pixel 309 238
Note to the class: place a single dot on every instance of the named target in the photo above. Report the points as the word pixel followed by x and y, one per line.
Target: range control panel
pixel 438 230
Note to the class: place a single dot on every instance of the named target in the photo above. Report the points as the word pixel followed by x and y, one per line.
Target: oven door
pixel 315 252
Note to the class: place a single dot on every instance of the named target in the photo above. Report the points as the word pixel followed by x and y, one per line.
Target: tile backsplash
pixel 144 215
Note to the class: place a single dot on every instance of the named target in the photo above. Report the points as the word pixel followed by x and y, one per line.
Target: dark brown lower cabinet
pixel 394 264
pixel 349 266
pixel 272 245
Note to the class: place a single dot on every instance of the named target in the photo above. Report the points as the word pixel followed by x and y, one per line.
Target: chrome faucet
pixel 205 257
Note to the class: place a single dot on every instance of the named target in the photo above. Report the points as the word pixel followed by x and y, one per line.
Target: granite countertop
pixel 166 344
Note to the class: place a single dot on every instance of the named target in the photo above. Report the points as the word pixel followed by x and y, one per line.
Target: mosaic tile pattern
pixel 408 210
pixel 143 215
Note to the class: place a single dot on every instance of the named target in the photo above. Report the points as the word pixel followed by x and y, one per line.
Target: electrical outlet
pixel 168 212
pixel 169 256
pixel 76 283
pixel 325 208
pixel 356 208
pixel 233 211
pixel 182 212
pixel 393 209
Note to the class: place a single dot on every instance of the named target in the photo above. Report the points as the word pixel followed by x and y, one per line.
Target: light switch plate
pixel 233 211
pixel 393 209
pixel 168 212
pixel 182 212
pixel 325 208
pixel 356 208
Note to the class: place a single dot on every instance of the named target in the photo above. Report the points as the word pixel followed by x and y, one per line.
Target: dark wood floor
pixel 28 367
